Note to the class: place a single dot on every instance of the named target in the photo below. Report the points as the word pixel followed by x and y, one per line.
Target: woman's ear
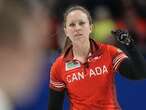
pixel 65 31
pixel 91 27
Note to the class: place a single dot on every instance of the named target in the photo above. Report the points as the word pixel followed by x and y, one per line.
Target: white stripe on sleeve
pixel 118 60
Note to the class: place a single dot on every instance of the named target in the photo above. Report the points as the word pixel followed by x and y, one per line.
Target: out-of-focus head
pixel 22 22
pixel 77 23
pixel 23 33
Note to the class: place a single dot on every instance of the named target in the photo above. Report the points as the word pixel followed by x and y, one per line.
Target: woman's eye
pixel 81 23
pixel 72 24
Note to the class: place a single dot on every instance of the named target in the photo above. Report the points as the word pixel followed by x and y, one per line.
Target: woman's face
pixel 77 26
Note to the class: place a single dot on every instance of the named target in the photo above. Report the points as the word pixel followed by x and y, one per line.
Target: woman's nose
pixel 78 27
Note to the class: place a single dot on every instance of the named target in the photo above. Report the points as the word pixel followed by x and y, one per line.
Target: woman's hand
pixel 122 37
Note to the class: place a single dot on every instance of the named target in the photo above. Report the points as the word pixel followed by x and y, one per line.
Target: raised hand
pixel 122 36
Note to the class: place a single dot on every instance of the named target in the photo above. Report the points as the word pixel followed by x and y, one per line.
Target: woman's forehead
pixel 76 14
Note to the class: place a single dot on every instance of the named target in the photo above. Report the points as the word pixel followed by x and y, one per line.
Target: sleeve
pixel 117 56
pixel 56 83
pixel 135 66
pixel 56 98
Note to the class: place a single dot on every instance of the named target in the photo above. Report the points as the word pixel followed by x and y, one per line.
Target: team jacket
pixel 90 86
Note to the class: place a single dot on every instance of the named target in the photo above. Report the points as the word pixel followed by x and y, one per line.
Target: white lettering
pixel 104 69
pixel 98 70
pixel 74 77
pixel 68 78
pixel 80 75
pixel 92 73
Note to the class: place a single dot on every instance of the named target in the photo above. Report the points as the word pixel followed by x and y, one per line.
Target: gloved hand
pixel 122 37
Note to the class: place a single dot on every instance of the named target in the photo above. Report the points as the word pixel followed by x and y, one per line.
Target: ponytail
pixel 67 45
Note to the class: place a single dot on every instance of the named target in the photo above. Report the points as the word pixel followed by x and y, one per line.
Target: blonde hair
pixel 12 13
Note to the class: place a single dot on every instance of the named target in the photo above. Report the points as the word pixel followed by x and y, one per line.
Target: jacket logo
pixel 72 65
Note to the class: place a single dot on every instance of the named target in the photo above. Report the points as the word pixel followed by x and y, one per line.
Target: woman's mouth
pixel 78 35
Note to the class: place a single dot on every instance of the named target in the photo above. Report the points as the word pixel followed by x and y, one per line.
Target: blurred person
pixel 86 69
pixel 23 33
pixel 103 24
pixel 5 103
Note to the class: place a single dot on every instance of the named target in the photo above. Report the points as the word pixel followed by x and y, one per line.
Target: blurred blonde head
pixel 23 32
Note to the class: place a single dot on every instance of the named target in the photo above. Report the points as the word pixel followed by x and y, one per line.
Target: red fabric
pixel 89 87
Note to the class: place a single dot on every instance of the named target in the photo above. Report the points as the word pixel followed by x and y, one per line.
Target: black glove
pixel 122 37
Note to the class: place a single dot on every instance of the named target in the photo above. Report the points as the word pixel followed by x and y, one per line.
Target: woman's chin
pixel 80 38
pixel 80 41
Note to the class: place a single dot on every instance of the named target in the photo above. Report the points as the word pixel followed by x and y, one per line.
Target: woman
pixel 86 69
